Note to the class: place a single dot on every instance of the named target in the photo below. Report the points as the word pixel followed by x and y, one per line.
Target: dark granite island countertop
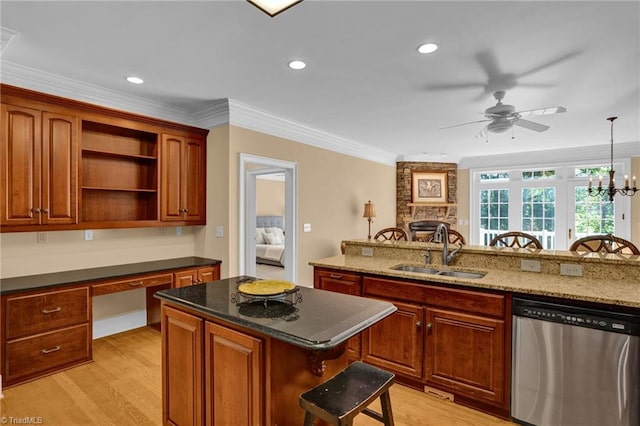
pixel 310 318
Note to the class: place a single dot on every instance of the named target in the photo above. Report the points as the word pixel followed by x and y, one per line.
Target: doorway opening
pixel 267 238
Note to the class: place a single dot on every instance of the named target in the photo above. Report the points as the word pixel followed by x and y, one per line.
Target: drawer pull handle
pixel 336 276
pixel 48 351
pixel 51 311
pixel 138 284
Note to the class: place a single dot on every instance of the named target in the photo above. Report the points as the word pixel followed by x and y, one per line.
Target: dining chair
pixel 391 234
pixel 515 239
pixel 606 243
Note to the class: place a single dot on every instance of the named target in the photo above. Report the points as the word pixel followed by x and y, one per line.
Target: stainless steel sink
pixel 419 269
pixel 462 274
pixel 443 272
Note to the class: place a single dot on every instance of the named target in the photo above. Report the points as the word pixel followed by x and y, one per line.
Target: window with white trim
pixel 550 202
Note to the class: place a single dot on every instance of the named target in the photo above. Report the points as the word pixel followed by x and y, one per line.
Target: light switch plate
pixel 178 230
pixel 530 265
pixel 219 231
pixel 42 238
pixel 88 235
pixel 571 269
pixel 306 227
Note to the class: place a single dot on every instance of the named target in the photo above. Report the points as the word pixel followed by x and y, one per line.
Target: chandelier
pixel 611 189
pixel 274 7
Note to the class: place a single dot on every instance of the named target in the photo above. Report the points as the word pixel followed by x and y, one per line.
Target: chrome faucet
pixel 442 236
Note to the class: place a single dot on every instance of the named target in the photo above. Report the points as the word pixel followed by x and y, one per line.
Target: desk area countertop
pixel 42 281
pixel 316 320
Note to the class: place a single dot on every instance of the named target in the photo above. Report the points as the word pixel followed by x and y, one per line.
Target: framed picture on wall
pixel 429 187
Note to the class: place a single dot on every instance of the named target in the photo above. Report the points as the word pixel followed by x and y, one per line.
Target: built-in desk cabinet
pixel 72 165
pixel 455 340
pixel 44 331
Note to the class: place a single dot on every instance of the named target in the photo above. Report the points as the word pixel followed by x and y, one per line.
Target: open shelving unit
pixel 119 176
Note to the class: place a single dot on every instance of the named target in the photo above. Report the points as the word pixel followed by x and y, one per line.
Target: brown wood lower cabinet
pixel 182 368
pixel 234 376
pixel 396 343
pixel 454 339
pixel 197 276
pixel 466 353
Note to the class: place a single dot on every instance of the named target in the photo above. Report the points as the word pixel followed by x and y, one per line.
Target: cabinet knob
pixel 419 324
pixel 429 326
pixel 36 210
pixel 45 210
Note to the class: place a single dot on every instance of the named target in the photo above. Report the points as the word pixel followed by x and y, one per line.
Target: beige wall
pixel 269 197
pixel 635 205
pixel 332 190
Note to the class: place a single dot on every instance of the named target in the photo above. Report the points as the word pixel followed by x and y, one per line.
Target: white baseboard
pixel 118 324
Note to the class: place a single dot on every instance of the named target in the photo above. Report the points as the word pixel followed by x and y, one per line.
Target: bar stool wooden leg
pixel 387 413
pixel 309 419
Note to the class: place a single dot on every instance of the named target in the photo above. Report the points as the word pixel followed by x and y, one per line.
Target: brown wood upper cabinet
pixel 72 165
pixel 183 179
pixel 39 159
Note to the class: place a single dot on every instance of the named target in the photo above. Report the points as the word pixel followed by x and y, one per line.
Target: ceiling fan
pixel 502 117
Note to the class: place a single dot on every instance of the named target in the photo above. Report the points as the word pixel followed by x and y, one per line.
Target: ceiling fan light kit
pixel 503 117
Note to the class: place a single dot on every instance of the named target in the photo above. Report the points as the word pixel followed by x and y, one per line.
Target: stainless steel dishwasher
pixel 574 366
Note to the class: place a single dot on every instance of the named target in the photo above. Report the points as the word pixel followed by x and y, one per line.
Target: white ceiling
pixel 365 83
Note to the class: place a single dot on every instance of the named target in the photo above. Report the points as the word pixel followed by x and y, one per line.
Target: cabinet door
pixel 466 353
pixel 59 168
pixel 396 343
pixel 194 179
pixel 183 179
pixel 171 172
pixel 208 274
pixel 233 377
pixel 21 155
pixel 182 368
pixel 345 283
pixel 185 278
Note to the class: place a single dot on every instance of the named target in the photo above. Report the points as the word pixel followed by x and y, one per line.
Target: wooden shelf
pixel 118 155
pixel 436 205
pixel 101 188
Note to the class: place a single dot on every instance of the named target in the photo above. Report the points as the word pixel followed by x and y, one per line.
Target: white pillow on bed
pixel 260 233
pixel 273 239
pixel 275 231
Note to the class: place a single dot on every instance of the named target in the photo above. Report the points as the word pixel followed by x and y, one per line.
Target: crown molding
pixel 251 118
pixel 583 154
pixel 217 113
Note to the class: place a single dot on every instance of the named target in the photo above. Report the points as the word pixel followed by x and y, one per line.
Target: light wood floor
pixel 123 387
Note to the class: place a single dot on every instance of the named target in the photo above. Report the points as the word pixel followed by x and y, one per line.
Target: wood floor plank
pixel 123 386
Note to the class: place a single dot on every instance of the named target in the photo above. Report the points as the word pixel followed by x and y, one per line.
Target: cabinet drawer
pixel 131 283
pixel 41 353
pixel 46 311
pixel 392 289
pixel 466 300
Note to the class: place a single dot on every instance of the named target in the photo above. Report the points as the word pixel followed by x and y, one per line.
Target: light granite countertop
pixel 619 285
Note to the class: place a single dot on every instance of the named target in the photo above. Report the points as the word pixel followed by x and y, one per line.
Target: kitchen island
pixel 232 359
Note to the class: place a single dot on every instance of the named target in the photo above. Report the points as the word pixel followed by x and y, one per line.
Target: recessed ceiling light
pixel 297 65
pixel 135 80
pixel 427 48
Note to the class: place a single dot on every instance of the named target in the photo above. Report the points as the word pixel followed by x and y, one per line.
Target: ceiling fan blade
pixel 489 63
pixel 541 111
pixel 537 127
pixel 454 86
pixel 549 64
pixel 464 124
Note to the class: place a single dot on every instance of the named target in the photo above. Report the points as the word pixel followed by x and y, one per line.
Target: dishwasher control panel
pixel 581 317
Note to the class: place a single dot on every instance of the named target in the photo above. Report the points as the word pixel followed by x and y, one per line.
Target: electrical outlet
pixel 219 231
pixel 530 265
pixel 178 230
pixel 42 238
pixel 367 251
pixel 571 269
pixel 88 235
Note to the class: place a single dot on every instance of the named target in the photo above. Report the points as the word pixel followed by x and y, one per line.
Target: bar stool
pixel 344 396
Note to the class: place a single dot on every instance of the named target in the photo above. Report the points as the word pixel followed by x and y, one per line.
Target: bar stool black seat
pixel 344 396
